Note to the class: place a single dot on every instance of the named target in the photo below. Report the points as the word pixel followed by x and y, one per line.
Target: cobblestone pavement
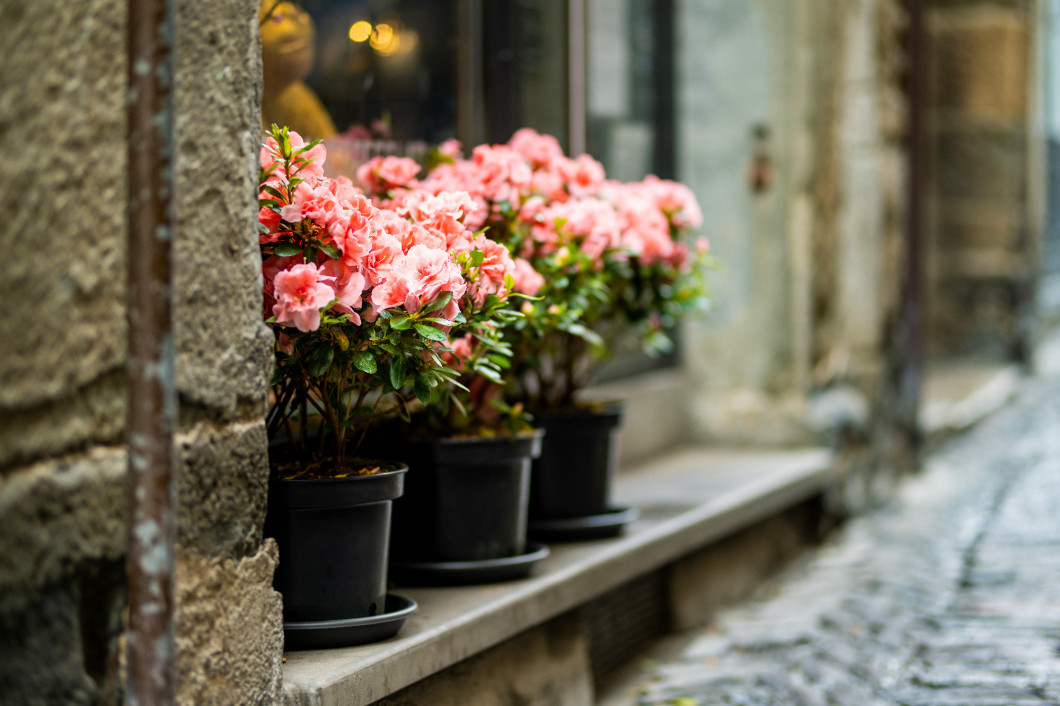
pixel 950 595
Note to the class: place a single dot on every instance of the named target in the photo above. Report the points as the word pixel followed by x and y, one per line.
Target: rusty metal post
pixel 910 331
pixel 152 388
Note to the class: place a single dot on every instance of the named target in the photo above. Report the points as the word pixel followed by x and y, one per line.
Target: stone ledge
pixel 687 500
pixel 959 393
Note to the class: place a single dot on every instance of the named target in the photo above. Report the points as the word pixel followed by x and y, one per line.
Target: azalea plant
pixel 364 299
pixel 476 405
pixel 605 262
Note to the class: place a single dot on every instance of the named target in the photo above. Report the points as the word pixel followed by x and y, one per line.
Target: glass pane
pixel 630 115
pixel 382 69
pixel 630 109
pixel 525 67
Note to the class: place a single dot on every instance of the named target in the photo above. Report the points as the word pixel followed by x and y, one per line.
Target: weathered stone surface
pixel 61 646
pixel 229 630
pixel 223 345
pixel 980 164
pixel 223 488
pixel 973 223
pixel 63 486
pixel 59 517
pixel 980 62
pixel 546 666
pixel 94 413
pixel 62 131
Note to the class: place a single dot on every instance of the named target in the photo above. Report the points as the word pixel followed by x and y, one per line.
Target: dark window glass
pixel 630 112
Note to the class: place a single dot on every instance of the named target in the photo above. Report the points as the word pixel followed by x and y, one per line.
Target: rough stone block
pixel 224 348
pixel 94 413
pixel 229 629
pixel 978 223
pixel 980 164
pixel 223 488
pixel 62 646
pixel 546 666
pixel 62 131
pixel 980 63
pixel 59 517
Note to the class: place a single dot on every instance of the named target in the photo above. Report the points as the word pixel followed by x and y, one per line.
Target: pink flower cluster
pixel 563 202
pixel 363 258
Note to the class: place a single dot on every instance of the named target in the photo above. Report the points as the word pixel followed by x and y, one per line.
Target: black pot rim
pixel 604 414
pixel 398 469
pixel 458 440
pixel 320 493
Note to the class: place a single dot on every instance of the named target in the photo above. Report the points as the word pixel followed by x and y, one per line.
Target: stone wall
pixel 62 357
pixel 980 256
pixel 808 287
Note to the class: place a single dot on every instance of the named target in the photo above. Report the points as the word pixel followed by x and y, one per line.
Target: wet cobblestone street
pixel 950 595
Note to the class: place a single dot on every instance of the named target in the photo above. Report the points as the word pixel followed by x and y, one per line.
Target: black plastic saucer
pixel 576 529
pixel 435 573
pixel 325 634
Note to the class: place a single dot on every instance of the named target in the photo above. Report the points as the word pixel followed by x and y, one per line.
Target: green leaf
pixel 270 189
pixel 430 333
pixel 286 250
pixel 400 322
pixel 278 374
pixel 364 361
pixel 500 361
pixel 320 360
pixel 491 374
pixel 331 251
pixel 476 256
pixel 308 146
pixel 588 335
pixel 423 390
pixel 397 372
pixel 443 299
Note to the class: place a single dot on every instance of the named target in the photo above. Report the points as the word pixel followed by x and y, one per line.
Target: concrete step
pixel 689 500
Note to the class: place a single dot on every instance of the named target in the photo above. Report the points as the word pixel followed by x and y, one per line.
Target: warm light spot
pixel 384 39
pixel 409 40
pixel 360 31
pixel 383 33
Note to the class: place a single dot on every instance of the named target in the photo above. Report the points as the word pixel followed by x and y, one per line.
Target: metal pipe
pixel 912 306
pixel 152 411
pixel 576 68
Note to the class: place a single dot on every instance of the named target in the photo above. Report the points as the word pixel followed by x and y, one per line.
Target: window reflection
pixel 375 76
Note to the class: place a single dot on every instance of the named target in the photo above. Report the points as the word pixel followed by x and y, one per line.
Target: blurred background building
pixel 879 179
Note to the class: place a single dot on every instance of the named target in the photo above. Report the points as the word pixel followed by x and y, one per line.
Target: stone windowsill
pixel 687 500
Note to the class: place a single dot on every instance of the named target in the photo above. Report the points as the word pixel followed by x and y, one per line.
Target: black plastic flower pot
pixel 573 475
pixel 465 500
pixel 333 536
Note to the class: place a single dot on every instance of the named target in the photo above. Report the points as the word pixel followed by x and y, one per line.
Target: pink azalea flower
pixel 496 262
pixel 384 251
pixel 390 293
pixel 450 148
pixel 301 293
pixel 583 174
pixel 527 280
pixel 461 352
pixel 431 272
pixel 385 173
pixel 540 150
pixel 348 287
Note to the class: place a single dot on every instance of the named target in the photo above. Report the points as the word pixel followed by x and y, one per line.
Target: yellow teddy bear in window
pixel 287 53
